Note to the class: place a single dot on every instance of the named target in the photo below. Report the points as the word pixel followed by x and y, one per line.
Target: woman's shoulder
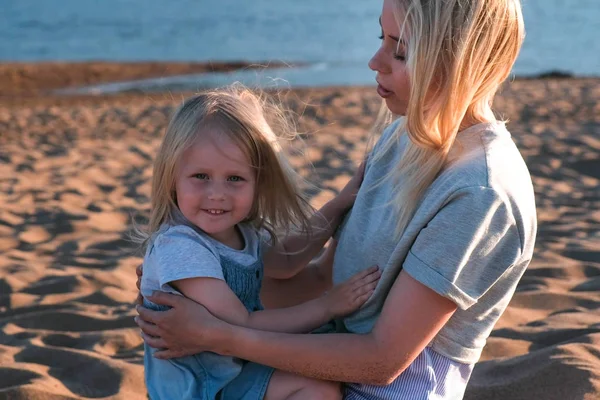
pixel 485 155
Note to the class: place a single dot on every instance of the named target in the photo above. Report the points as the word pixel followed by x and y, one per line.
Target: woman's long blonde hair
pixel 458 54
pixel 249 119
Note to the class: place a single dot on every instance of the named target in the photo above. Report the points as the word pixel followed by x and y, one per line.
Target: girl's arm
pixel 310 283
pixel 219 299
pixel 295 251
pixel 412 315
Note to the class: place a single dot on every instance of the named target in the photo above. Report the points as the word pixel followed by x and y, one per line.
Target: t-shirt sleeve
pixel 467 246
pixel 180 253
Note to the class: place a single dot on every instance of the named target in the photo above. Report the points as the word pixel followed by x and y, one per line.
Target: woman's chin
pixel 395 108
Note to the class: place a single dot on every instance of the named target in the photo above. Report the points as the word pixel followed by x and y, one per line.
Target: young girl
pixel 221 190
pixel 446 209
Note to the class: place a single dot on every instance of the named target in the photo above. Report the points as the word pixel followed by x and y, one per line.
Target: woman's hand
pixel 139 273
pixel 187 328
pixel 349 296
pixel 348 194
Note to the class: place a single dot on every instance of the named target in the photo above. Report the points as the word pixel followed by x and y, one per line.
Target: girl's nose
pixel 216 192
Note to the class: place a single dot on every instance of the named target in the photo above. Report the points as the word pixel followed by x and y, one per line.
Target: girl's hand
pixel 187 328
pixel 347 297
pixel 348 194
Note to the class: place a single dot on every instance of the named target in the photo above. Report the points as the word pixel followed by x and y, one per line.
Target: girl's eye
pixel 201 176
pixel 235 178
pixel 380 37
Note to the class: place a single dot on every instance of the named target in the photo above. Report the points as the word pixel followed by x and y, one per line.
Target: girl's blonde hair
pixel 249 119
pixel 458 54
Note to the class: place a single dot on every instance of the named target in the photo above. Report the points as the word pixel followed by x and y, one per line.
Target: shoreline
pixel 32 79
pixel 28 78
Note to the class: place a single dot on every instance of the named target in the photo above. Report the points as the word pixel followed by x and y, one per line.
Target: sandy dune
pixel 74 171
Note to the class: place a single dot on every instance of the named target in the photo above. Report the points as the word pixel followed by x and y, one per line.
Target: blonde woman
pixel 446 210
pixel 221 188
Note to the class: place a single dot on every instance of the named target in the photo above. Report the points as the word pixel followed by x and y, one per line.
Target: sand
pixel 73 172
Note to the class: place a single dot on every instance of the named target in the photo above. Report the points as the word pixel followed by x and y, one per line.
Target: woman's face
pixel 390 63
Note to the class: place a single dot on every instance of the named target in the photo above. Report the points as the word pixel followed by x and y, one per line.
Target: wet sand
pixel 74 170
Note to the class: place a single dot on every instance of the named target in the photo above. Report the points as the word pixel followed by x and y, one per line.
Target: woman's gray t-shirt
pixel 470 240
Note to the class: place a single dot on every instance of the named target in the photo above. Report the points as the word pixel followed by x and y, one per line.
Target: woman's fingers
pixel 165 299
pixel 138 272
pixel 138 283
pixel 150 316
pixel 139 300
pixel 186 327
pixel 155 342
pixel 147 328
pixel 166 354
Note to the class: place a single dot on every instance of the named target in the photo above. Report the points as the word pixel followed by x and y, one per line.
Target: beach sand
pixel 74 170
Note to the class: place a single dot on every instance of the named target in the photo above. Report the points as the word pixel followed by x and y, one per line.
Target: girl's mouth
pixel 214 211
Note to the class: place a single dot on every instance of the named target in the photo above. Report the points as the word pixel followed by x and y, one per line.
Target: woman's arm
pixel 412 315
pixel 295 251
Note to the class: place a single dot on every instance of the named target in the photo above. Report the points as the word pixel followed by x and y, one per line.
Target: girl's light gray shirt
pixel 182 252
pixel 470 240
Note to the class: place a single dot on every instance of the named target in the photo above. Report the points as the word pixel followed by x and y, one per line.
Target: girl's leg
pixel 288 386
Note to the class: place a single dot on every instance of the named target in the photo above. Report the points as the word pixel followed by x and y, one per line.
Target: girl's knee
pixel 288 386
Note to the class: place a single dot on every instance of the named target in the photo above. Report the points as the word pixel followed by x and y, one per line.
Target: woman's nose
pixel 378 63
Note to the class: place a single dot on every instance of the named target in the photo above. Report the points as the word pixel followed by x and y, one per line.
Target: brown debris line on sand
pixel 32 78
pixel 73 172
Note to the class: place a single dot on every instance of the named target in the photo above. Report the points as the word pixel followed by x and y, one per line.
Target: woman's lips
pixel 383 92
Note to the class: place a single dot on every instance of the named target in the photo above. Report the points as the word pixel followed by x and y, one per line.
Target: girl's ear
pixel 252 215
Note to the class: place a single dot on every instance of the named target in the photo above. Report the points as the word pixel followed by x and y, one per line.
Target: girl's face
pixel 390 63
pixel 215 185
